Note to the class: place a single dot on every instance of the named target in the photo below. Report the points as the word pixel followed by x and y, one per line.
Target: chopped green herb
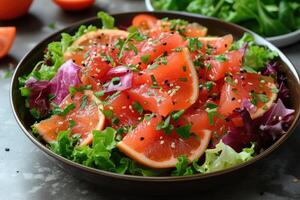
pixel 177 115
pixel 221 58
pixel 52 26
pixel 209 85
pixel 72 123
pixel 183 79
pixel 148 117
pixel 184 131
pixel 154 82
pixel 229 80
pixel 263 98
pixel 194 44
pixel 165 125
pixel 145 58
pixel 253 98
pixel 138 107
pixel 153 66
pixel 114 95
pixel 83 102
pixel 108 113
pixel 115 80
pixel 62 112
pixel 99 93
pixel 115 120
pixel 211 110
pixel 275 90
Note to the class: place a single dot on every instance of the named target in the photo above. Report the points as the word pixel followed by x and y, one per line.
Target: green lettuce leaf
pixel 256 57
pixel 223 157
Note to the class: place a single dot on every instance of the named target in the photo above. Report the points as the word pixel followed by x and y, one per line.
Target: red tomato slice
pixel 218 45
pixel 7 37
pixel 144 21
pixel 249 87
pixel 155 47
pixel 122 108
pixel 219 65
pixel 176 81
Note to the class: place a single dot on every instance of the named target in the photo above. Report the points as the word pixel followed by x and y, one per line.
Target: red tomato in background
pixel 11 9
pixel 7 37
pixel 74 4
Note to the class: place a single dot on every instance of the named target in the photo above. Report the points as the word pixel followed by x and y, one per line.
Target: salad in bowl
pixel 160 97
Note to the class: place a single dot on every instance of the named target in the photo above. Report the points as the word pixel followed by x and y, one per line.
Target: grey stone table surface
pixel 25 172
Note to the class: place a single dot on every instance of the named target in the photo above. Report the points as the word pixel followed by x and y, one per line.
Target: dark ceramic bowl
pixel 137 183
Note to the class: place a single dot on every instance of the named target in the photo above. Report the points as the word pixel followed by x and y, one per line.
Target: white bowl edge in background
pixel 149 5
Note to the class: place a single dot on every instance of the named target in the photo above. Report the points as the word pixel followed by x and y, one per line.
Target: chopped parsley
pixel 209 85
pixel 165 125
pixel 99 93
pixel 73 90
pixel 145 58
pixel 116 80
pixel 83 102
pixel 194 44
pixel 154 82
pixel 176 115
pixel 275 90
pixel 221 58
pixel 138 107
pixel 263 98
pixel 211 110
pixel 72 123
pixel 253 98
pixel 229 80
pixel 62 112
pixel 184 131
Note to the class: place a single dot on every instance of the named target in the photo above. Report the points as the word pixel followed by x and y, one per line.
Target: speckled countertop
pixel 26 173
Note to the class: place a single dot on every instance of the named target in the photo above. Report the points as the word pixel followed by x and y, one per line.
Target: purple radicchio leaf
pixel 276 121
pixel 239 137
pixel 272 69
pixel 125 76
pixel 67 76
pixel 38 99
pixel 40 90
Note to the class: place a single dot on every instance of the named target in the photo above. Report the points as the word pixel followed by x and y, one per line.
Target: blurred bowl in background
pixel 12 9
pixel 278 41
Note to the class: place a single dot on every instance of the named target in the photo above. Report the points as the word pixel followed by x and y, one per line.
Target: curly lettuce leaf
pixel 108 22
pixel 223 157
pixel 256 57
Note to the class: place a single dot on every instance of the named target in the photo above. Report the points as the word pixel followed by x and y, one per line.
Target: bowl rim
pixel 293 34
pixel 100 172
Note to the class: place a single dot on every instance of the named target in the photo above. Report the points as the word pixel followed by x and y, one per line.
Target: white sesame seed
pixel 162 142
pixel 173 145
pixel 161 137
pixel 279 118
pixel 91 123
pixel 123 107
pixel 239 100
pixel 60 123
pixel 249 83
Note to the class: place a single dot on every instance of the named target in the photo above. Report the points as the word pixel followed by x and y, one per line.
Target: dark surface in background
pixel 25 173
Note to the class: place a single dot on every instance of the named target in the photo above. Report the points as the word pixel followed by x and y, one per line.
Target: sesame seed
pixel 173 145
pixel 123 107
pixel 162 142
